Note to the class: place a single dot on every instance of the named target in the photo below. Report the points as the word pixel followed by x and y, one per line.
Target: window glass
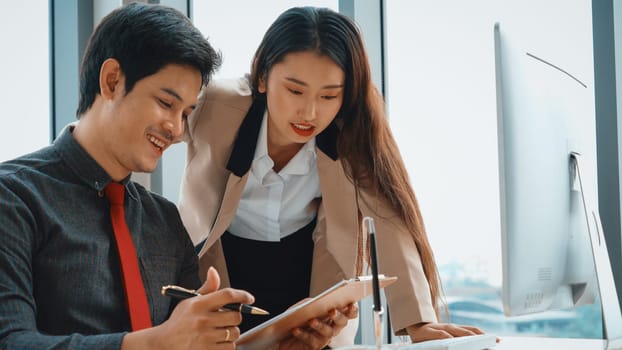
pixel 236 27
pixel 24 68
pixel 442 109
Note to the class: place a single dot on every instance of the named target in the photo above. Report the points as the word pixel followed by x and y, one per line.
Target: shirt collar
pixel 303 160
pixel 246 141
pixel 262 163
pixel 261 150
pixel 83 165
pixel 300 164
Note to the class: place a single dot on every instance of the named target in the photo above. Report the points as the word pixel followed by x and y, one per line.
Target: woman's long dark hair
pixel 365 142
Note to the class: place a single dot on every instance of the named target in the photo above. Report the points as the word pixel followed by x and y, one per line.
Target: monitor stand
pixel 612 317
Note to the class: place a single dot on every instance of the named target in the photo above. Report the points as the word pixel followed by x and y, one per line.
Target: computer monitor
pixel 553 250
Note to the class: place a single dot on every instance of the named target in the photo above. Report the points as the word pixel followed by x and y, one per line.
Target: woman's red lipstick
pixel 303 129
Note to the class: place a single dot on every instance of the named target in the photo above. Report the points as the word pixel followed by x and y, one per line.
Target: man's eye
pixel 164 103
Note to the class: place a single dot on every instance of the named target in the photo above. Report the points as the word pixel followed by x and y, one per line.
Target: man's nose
pixel 175 126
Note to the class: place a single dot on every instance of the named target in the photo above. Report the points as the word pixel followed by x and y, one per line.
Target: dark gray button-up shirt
pixel 60 279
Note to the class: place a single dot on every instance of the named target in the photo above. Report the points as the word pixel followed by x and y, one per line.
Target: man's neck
pixel 91 136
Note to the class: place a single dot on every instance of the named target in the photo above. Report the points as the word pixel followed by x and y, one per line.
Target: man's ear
pixel 110 81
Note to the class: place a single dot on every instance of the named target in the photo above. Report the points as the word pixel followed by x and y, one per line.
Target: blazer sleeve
pixel 409 298
pixel 211 131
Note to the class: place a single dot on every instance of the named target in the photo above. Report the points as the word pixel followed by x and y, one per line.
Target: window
pixel 442 109
pixel 237 26
pixel 24 68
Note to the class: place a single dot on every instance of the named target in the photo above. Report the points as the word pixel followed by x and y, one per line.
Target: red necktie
pixel 134 288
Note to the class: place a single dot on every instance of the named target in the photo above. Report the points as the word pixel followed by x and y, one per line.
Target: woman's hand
pixel 319 331
pixel 429 331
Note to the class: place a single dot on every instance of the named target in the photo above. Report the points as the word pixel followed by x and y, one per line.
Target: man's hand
pixel 196 323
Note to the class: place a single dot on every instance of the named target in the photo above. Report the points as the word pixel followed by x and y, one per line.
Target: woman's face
pixel 304 93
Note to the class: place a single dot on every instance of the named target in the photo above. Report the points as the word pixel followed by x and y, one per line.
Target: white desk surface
pixel 519 343
pixel 535 343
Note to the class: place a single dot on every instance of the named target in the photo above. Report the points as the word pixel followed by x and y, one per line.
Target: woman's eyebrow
pixel 300 82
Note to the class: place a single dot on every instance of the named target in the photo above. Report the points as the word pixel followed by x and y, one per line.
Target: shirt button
pixel 100 194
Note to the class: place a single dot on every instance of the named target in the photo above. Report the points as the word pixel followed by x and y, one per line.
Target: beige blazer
pixel 221 140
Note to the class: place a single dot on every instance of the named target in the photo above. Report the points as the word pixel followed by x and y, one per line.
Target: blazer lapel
pixel 246 142
pixel 339 201
pixel 341 211
pixel 228 208
pixel 326 141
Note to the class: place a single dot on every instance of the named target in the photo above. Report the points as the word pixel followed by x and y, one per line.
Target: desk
pixel 535 343
pixel 517 343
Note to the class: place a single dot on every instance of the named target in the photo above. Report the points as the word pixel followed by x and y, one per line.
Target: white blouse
pixel 275 205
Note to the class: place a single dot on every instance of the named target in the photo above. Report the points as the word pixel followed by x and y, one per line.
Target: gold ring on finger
pixel 227 335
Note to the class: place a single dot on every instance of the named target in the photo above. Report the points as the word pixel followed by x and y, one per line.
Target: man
pixel 85 251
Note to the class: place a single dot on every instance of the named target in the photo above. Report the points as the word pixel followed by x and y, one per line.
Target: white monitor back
pixel 545 70
pixel 544 114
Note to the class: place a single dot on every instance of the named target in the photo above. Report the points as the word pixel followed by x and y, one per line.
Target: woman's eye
pixel 295 92
pixel 329 97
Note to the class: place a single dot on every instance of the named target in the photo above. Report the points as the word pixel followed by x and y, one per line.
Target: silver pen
pixel 378 311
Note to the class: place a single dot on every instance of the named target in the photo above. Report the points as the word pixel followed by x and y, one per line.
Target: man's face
pixel 145 122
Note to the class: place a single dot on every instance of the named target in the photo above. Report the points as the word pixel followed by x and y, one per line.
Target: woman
pixel 283 165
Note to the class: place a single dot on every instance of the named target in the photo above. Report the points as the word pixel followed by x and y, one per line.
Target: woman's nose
pixel 309 111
